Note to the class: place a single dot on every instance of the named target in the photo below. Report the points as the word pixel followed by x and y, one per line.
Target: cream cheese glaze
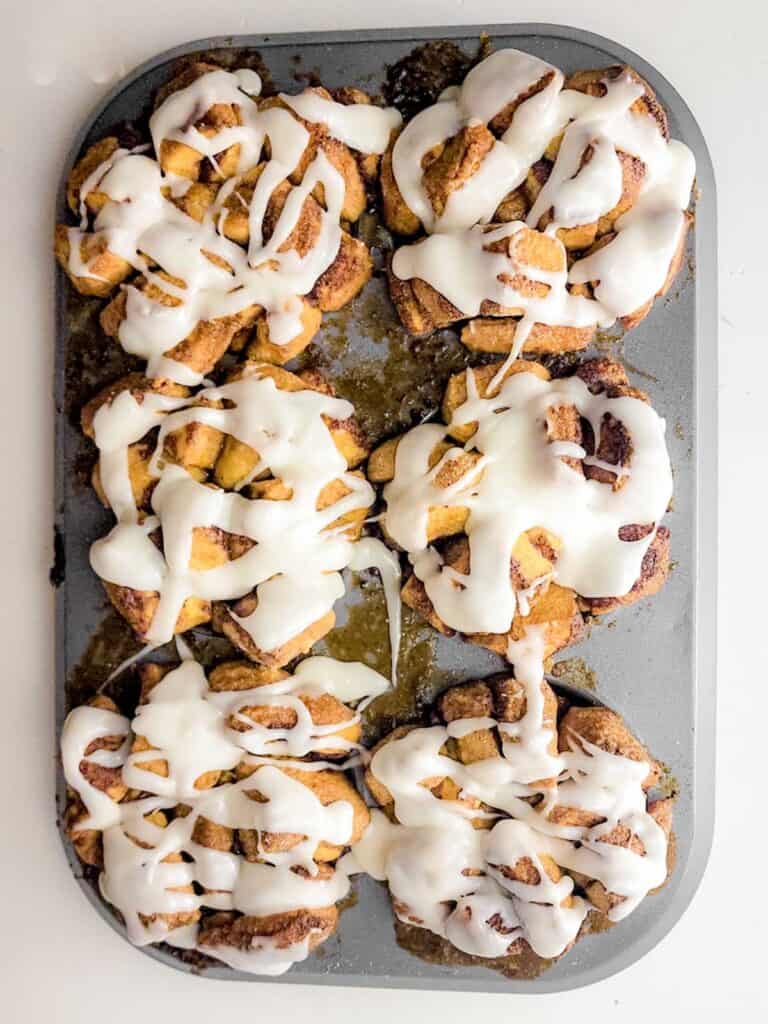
pixel 457 881
pixel 297 557
pixel 518 482
pixel 139 222
pixel 186 725
pixel 630 269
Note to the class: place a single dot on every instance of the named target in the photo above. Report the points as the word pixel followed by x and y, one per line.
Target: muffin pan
pixel 653 663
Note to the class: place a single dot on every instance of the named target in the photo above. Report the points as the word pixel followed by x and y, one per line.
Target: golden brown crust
pixel 378 790
pixel 456 390
pixel 450 164
pixel 459 160
pixel 138 385
pixel 398 216
pixel 93 157
pixel 87 842
pixel 224 621
pixel 282 930
pixel 554 607
pixel 422 309
pixel 503 699
pixel 536 551
pixel 106 270
pixel 607 730
pixel 328 787
pixel 591 81
pixel 206 452
pixel 653 575
pixel 263 349
pixel 497 336
pixel 324 709
pixel 203 346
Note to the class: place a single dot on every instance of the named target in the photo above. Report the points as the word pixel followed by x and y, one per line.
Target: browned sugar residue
pixel 393 380
pixel 575 672
pixel 416 80
pixel 111 644
pixel 609 343
pixel 667 786
pixel 114 642
pixel 637 371
pixel 435 950
pixel 93 360
pixel 350 900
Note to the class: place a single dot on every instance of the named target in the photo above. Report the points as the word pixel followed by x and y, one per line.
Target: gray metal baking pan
pixel 655 663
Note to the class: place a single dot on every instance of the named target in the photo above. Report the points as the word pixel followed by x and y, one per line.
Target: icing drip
pixel 213 276
pixel 519 482
pixel 296 557
pixel 527 744
pixel 188 726
pixel 460 881
pixel 629 270
pixel 371 553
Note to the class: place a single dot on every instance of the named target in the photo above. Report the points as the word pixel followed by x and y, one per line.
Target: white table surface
pixel 59 963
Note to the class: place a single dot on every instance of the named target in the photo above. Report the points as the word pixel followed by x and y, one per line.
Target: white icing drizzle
pixel 129 662
pixel 630 269
pixel 355 682
pixel 187 727
pixel 460 267
pixel 81 728
pixel 313 676
pixel 487 89
pixel 266 957
pixel 519 482
pixel 371 553
pixel 360 126
pixel 526 743
pixel 448 877
pixel 140 223
pixel 296 559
